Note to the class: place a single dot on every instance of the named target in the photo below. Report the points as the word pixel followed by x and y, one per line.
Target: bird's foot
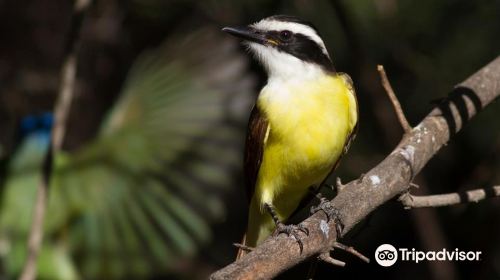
pixel 292 230
pixel 331 213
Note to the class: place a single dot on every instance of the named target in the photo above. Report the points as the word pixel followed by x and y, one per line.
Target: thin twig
pixel 63 104
pixel 351 250
pixel 339 185
pixel 36 233
pixel 61 112
pixel 394 100
pixel 328 259
pixel 243 247
pixel 411 201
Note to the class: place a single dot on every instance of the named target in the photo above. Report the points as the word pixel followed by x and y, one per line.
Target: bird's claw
pixel 331 214
pixel 292 230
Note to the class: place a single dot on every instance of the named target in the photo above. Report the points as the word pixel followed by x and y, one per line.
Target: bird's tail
pixel 260 226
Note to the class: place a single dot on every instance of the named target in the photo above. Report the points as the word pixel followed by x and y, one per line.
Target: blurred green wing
pixel 151 182
pixel 141 197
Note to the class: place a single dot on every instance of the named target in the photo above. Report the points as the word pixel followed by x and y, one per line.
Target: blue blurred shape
pixel 37 122
pixel 47 120
pixel 28 124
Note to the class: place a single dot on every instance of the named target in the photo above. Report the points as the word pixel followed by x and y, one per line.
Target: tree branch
pixel 411 201
pixel 394 100
pixel 61 112
pixel 388 179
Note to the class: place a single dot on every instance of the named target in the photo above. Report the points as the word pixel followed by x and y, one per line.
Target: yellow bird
pixel 301 125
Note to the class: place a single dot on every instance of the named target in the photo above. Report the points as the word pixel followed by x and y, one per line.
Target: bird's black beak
pixel 249 34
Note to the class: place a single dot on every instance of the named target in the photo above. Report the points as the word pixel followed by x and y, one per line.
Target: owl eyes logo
pixel 386 255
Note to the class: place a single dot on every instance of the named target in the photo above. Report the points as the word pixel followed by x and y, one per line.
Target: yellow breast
pixel 309 124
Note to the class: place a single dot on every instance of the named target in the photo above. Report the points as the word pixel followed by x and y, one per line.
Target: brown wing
pixel 254 149
pixel 352 135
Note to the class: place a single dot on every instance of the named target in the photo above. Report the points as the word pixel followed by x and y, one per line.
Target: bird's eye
pixel 285 35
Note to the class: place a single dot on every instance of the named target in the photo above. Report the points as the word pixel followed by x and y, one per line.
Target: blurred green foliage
pixel 149 184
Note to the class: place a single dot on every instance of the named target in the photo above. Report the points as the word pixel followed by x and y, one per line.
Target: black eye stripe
pixel 288 35
pixel 285 35
pixel 304 48
pixel 282 35
pixel 300 45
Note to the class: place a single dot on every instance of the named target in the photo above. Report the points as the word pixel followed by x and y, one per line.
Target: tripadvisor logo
pixel 387 255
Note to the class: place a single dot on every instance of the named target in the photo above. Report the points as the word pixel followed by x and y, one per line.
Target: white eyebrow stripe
pixel 270 25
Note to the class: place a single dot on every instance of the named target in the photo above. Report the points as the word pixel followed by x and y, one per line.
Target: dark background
pixel 426 47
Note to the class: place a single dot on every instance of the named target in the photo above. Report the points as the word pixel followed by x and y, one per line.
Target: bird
pixel 302 123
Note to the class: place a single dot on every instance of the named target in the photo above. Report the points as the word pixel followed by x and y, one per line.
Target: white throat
pixel 281 66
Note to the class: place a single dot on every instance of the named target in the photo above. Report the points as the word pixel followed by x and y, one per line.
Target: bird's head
pixel 286 46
